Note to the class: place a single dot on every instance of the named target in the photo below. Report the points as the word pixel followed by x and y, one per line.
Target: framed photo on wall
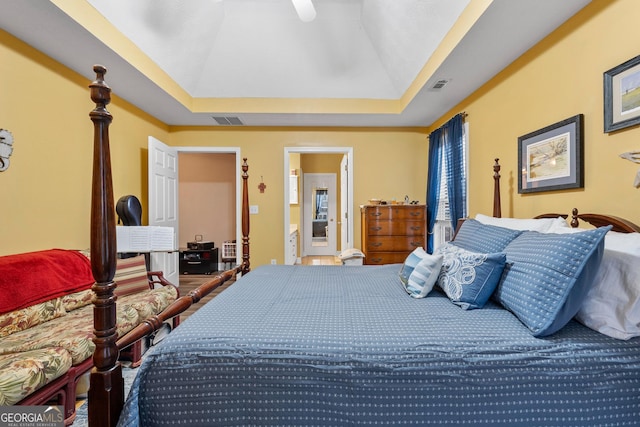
pixel 552 158
pixel 622 96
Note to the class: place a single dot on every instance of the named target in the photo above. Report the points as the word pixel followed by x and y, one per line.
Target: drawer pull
pixel 416 228
pixel 376 260
pixel 415 213
pixel 194 262
pixel 376 213
pixel 376 244
pixel 416 244
pixel 376 228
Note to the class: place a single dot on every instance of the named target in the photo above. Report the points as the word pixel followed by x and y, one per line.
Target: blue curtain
pixel 446 142
pixel 433 183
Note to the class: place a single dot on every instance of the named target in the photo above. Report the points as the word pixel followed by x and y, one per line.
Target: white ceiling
pixel 358 63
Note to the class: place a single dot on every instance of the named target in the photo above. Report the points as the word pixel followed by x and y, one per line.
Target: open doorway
pixel 230 189
pixel 295 211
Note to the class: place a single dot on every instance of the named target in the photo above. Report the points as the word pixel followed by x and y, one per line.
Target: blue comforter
pixel 333 346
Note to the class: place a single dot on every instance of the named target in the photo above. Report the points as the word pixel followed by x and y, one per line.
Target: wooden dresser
pixel 391 232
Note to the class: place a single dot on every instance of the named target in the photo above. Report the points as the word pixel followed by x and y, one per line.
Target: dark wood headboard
pixel 597 220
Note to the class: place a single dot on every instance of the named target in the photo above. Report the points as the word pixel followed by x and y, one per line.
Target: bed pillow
pixel 474 236
pixel 469 278
pixel 424 276
pixel 547 276
pixel 541 225
pixel 410 263
pixel 623 242
pixel 131 276
pixel 612 305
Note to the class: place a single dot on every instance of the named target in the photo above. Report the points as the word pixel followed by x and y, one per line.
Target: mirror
pixel 320 213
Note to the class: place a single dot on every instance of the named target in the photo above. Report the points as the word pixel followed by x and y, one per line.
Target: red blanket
pixel 30 278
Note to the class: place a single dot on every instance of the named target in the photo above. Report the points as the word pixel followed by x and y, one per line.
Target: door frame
pixel 318 150
pixel 223 150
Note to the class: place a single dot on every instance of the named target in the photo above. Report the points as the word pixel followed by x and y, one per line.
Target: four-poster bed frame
pixel 106 392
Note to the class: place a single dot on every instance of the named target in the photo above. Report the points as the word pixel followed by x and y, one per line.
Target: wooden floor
pixel 189 282
pixel 321 260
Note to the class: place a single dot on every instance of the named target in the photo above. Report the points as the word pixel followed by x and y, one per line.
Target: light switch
pixel 253 209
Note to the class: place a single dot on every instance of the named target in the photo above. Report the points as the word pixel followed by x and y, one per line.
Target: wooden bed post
pixel 246 264
pixel 497 210
pixel 106 392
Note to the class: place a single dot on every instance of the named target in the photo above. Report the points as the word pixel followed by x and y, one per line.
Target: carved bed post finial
pixel 574 218
pixel 106 392
pixel 497 209
pixel 246 265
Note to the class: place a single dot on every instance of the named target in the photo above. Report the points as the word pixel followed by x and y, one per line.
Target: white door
pixel 344 204
pixel 163 203
pixel 319 214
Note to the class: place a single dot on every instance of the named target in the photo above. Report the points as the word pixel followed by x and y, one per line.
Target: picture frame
pixel 552 158
pixel 622 96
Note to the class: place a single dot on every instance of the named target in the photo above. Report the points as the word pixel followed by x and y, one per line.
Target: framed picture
pixel 552 158
pixel 622 96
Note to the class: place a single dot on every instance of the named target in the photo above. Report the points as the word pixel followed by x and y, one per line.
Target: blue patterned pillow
pixel 469 278
pixel 477 237
pixel 547 276
pixel 424 276
pixel 410 263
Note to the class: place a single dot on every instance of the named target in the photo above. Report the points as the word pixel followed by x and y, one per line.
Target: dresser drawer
pixel 394 228
pixel 396 213
pixel 394 243
pixel 389 233
pixel 378 258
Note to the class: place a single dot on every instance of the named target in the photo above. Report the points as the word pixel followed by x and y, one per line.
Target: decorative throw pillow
pixel 131 276
pixel 547 276
pixel 477 237
pixel 25 318
pixel 410 263
pixel 469 278
pixel 424 276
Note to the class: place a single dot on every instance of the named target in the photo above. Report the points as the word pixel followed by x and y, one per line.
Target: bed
pixel 381 345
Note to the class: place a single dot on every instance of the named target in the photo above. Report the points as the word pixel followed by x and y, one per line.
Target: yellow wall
pixel 387 162
pixel 45 192
pixel 560 77
pixel 45 197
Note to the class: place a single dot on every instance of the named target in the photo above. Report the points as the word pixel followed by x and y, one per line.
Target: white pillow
pixel 628 243
pixel 541 225
pixel 623 242
pixel 612 305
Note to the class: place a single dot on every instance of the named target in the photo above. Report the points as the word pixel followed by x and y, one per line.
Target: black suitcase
pixel 129 210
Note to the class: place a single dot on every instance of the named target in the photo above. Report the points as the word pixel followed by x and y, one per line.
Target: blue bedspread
pixel 333 346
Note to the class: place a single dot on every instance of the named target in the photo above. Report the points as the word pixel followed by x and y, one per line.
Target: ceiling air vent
pixel 228 121
pixel 439 84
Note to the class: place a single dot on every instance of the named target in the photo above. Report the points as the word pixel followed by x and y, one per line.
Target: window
pixel 443 229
